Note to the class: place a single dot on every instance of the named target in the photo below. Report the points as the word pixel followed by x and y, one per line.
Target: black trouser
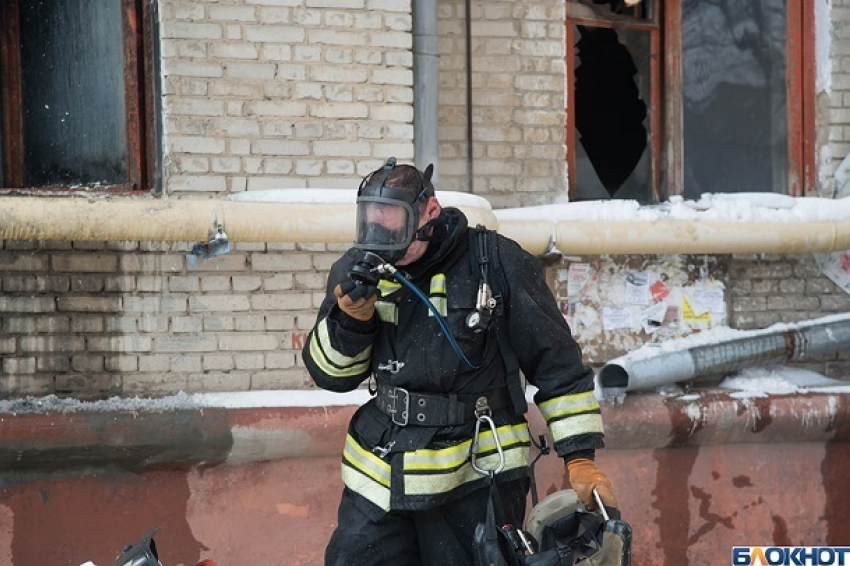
pixel 441 536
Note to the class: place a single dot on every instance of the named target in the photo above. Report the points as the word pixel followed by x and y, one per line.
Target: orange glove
pixel 584 476
pixel 356 300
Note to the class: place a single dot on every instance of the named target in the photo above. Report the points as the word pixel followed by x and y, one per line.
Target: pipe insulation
pixel 296 219
pixel 155 220
pixel 788 342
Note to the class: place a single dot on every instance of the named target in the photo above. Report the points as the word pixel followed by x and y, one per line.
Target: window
pixel 77 95
pixel 685 97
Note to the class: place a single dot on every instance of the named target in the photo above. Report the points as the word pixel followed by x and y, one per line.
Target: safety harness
pixel 407 408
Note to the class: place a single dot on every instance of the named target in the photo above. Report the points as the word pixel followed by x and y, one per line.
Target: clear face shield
pixel 385 226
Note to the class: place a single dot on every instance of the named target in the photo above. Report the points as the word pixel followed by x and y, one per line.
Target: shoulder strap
pixel 486 250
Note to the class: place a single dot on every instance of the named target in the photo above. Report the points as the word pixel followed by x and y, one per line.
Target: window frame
pixel 665 109
pixel 138 31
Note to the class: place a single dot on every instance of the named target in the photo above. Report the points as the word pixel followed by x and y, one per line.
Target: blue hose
pixel 449 336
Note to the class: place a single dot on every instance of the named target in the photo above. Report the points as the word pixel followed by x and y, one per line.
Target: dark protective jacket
pixel 417 467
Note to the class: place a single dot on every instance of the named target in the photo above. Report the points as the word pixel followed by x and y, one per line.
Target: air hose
pixel 386 267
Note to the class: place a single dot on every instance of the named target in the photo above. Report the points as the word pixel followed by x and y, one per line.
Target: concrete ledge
pixel 260 485
pixel 139 439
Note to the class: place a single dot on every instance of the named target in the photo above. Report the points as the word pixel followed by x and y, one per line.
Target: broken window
pixel 611 119
pixel 685 97
pixel 610 81
pixel 76 94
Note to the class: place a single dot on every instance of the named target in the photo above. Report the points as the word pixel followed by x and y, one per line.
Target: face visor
pixel 385 226
pixel 388 217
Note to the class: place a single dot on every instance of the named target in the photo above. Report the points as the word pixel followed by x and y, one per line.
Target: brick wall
pixel 100 319
pixel 767 289
pixel 262 94
pixel 314 93
pixel 518 100
pixel 833 115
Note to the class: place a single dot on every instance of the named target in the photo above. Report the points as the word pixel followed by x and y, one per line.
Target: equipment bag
pixel 578 538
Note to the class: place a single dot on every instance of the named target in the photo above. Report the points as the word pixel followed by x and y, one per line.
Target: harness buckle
pixel 482 415
pixel 392 366
pixel 393 408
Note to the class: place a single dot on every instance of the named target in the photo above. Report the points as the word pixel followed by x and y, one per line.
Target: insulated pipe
pixel 794 342
pixel 332 221
pixel 425 85
pixel 155 220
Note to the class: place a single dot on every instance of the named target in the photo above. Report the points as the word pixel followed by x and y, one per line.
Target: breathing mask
pixel 388 217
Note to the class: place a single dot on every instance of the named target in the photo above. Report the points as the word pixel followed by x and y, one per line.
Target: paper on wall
pixel 653 317
pixel 577 278
pixel 637 288
pixel 836 266
pixel 617 318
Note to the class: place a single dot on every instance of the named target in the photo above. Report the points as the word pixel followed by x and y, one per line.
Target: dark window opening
pixel 77 94
pixel 611 85
pixel 734 85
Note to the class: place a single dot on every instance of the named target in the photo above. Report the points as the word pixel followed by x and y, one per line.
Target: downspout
pixel 788 342
pixel 425 85
pixel 470 172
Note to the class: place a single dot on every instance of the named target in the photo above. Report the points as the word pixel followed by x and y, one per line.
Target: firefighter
pixel 410 310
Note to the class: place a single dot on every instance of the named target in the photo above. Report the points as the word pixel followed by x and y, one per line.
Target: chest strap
pixel 407 408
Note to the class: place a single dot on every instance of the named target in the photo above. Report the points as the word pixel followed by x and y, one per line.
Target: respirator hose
pixel 449 336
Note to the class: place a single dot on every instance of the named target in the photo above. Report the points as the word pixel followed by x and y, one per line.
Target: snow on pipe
pixel 793 342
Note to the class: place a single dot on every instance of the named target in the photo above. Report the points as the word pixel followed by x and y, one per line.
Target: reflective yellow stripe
pixel 567 405
pixel 365 473
pixel 441 304
pixel 366 462
pixel 573 426
pixel 438 295
pixel 438 284
pixel 427 484
pixel 436 459
pixel 387 312
pixel 367 487
pixel 332 362
pixel 388 287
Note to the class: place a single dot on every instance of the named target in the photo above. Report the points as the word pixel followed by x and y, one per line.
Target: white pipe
pixel 105 219
pixel 332 221
pixel 791 342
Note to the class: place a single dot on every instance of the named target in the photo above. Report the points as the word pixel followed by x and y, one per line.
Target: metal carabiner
pixel 484 416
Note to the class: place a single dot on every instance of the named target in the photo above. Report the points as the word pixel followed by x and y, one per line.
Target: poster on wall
pixel 836 266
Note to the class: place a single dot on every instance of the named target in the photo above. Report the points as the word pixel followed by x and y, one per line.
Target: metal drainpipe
pixel 425 85
pixel 793 342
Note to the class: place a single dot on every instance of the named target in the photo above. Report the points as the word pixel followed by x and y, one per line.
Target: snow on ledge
pixel 185 401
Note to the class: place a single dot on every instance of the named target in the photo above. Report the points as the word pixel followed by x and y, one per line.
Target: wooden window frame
pixel 665 110
pixel 139 97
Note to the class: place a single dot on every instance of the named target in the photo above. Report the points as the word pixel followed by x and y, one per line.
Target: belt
pixel 435 409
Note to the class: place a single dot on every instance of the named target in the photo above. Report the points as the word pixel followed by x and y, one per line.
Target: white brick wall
pixel 518 100
pixel 274 93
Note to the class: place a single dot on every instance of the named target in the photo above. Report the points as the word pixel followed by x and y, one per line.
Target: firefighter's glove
pixel 356 299
pixel 584 477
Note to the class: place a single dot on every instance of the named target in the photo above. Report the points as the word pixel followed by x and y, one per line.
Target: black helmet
pixel 388 204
